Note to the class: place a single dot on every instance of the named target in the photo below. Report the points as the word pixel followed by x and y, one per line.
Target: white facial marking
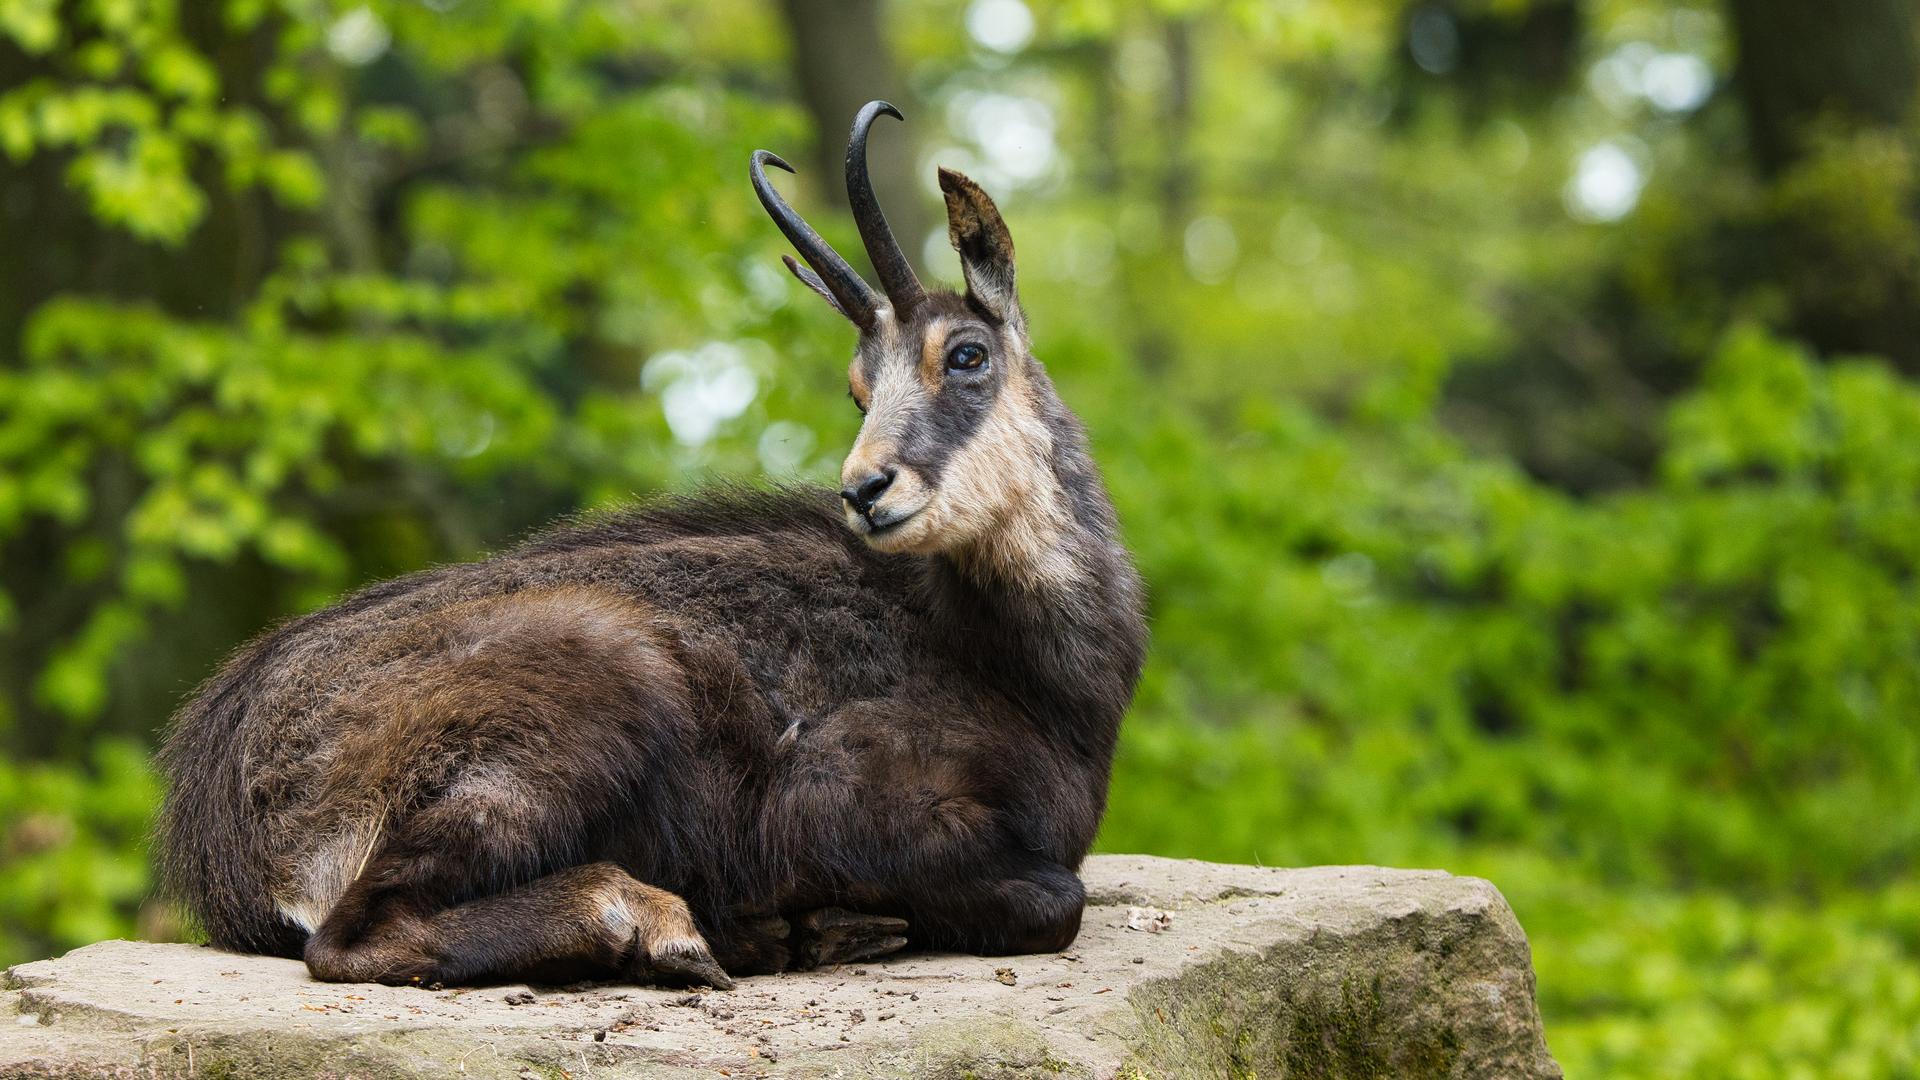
pixel 889 406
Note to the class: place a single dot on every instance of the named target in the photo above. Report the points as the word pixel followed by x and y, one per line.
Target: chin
pixel 913 536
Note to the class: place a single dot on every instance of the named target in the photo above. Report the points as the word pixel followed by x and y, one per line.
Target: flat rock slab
pixel 1182 969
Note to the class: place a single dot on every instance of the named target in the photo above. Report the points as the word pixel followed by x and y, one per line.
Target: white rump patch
pixel 325 873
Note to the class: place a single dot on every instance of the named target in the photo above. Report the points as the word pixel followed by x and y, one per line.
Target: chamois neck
pixel 1057 532
pixel 1054 599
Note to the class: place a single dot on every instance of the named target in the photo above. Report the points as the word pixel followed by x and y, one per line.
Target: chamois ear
pixel 812 281
pixel 984 244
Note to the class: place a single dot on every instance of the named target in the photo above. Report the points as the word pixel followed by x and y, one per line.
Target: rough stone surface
pixel 1182 969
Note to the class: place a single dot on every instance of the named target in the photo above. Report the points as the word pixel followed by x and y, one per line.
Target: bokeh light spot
pixel 1606 184
pixel 1004 26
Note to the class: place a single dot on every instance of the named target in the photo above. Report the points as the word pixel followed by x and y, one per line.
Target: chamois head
pixel 956 446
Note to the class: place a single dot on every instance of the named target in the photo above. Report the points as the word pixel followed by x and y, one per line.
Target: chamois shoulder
pixel 719 510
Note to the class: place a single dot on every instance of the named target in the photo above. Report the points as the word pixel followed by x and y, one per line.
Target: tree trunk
pixel 1856 62
pixel 841 61
pixel 1176 119
pixel 1830 91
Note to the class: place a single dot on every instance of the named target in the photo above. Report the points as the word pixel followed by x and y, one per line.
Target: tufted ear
pixel 984 244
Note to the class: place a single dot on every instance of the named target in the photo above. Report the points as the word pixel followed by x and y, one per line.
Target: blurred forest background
pixel 1511 404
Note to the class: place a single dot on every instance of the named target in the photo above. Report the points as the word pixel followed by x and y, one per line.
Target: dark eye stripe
pixel 941 425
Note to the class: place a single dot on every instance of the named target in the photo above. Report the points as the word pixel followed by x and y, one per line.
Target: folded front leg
pixel 585 922
pixel 767 944
pixel 1029 908
pixel 753 944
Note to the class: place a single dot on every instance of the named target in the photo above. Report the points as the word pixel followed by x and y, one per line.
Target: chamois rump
pixel 739 733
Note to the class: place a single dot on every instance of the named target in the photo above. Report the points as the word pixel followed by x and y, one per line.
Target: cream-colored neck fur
pixel 1008 486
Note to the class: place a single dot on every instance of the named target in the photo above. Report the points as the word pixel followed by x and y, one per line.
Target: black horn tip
pixel 875 108
pixel 768 157
pixel 896 273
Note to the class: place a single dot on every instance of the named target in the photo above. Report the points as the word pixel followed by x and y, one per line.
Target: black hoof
pixel 838 936
pixel 686 965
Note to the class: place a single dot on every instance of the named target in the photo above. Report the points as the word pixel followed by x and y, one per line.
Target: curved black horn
pixel 856 297
pixel 896 273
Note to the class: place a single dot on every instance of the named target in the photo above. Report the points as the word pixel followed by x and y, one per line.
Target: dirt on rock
pixel 1181 969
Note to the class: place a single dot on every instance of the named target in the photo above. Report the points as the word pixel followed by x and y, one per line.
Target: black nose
pixel 863 495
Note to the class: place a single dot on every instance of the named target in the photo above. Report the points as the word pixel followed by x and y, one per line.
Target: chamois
pixel 738 733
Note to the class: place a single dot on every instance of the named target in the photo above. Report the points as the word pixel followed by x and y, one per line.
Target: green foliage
pixel 330 292
pixel 1672 724
pixel 1704 983
pixel 1590 678
pixel 73 868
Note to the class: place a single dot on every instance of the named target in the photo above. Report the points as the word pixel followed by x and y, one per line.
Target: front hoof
pixel 839 936
pixel 683 963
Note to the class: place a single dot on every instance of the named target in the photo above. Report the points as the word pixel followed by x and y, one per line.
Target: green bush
pixel 1674 725
pixel 1704 683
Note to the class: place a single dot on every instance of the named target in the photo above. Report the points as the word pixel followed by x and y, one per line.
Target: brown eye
pixel 966 357
pixel 857 403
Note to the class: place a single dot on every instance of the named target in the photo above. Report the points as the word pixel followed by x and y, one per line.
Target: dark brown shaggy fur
pixel 711 723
